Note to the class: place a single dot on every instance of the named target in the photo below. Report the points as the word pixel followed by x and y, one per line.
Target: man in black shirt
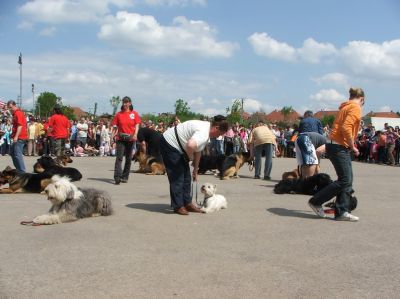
pixel 149 140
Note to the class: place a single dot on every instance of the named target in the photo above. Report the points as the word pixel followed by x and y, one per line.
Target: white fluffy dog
pixel 70 203
pixel 212 202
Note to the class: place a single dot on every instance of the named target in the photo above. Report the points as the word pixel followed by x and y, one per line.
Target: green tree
pixel 45 104
pixel 234 113
pixel 286 111
pixel 68 112
pixel 328 120
pixel 181 108
pixel 115 101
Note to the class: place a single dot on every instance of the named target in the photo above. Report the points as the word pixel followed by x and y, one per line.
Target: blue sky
pixel 304 54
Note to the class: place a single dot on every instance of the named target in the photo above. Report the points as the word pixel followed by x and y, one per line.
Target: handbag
pixel 185 156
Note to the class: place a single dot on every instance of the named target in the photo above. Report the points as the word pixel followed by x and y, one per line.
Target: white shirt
pixel 84 129
pixel 192 129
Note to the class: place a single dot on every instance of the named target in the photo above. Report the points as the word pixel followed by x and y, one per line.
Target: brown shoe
pixel 181 211
pixel 193 208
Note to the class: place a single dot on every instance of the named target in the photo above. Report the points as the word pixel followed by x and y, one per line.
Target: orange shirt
pixel 347 123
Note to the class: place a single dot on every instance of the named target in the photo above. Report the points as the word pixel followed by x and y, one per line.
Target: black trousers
pixel 178 172
pixel 124 149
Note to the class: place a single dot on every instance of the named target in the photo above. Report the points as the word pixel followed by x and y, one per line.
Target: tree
pixel 181 108
pixel 115 101
pixel 45 104
pixel 68 112
pixel 286 111
pixel 234 112
pixel 328 120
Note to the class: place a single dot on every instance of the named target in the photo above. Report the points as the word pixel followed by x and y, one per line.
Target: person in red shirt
pixel 125 129
pixel 19 135
pixel 59 127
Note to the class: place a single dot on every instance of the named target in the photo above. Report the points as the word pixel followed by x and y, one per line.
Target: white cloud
pixel 144 34
pixel 49 31
pixel 338 79
pixel 25 25
pixel 327 99
pixel 251 105
pixel 373 60
pixel 384 109
pixel 68 11
pixel 264 45
pixel 311 52
pixel 176 2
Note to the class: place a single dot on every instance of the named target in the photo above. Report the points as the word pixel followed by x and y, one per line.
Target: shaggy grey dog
pixel 70 203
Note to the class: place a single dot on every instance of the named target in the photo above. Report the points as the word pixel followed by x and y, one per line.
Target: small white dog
pixel 212 202
pixel 70 203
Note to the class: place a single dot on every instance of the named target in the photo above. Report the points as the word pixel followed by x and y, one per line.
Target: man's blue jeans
pixel 268 147
pixel 17 157
pixel 343 187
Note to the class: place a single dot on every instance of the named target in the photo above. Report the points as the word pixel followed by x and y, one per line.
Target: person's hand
pixel 195 175
pixel 355 151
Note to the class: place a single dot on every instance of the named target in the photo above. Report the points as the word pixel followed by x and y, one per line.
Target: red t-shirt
pixel 45 128
pixel 126 121
pixel 60 126
pixel 19 120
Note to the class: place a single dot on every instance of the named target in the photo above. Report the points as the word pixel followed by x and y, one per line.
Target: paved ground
pixel 263 246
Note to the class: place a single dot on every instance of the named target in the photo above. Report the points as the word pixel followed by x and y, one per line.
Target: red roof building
pixel 277 116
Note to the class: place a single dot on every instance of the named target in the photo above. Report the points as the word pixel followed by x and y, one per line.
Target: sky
pixel 300 53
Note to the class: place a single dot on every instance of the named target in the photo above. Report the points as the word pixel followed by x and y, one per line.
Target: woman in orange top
pixel 344 132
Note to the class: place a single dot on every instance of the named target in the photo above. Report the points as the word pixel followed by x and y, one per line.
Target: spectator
pixel 125 129
pixel 59 126
pixel 310 124
pixel 19 135
pixel 82 127
pixel 33 134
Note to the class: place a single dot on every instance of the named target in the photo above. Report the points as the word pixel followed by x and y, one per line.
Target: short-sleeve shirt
pixel 126 121
pixel 19 120
pixel 197 130
pixel 60 126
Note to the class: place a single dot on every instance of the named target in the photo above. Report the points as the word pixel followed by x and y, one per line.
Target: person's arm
pixel 191 148
pixel 196 161
pixel 136 132
pixel 19 128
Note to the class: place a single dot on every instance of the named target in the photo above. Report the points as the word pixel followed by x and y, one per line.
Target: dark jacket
pixel 311 124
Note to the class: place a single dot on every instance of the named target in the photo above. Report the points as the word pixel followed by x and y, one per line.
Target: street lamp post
pixel 33 99
pixel 20 81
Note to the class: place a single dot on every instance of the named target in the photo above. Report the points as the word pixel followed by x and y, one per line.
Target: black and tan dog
pixel 23 182
pixel 210 163
pixel 49 166
pixel 307 186
pixel 232 164
pixel 148 164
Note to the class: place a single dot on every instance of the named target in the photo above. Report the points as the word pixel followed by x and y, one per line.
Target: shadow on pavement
pixel 106 180
pixel 151 207
pixel 291 213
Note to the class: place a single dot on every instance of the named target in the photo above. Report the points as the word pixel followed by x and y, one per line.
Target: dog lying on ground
pixel 210 163
pixel 308 186
pixel 148 164
pixel 70 203
pixel 232 164
pixel 291 175
pixel 212 202
pixel 49 166
pixel 23 182
pixel 63 160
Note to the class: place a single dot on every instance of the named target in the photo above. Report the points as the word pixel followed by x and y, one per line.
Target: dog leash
pixel 30 223
pixel 191 195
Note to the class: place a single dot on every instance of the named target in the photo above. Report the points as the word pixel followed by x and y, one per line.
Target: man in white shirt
pixel 82 127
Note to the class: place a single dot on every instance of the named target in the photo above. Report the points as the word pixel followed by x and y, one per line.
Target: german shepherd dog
pixel 210 163
pixel 23 182
pixel 49 166
pixel 148 164
pixel 232 164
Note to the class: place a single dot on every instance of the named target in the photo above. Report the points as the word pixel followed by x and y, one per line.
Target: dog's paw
pixel 45 219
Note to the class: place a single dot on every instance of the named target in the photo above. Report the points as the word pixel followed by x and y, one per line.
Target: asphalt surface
pixel 263 246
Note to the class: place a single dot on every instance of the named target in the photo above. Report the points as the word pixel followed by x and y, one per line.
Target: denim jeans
pixel 342 188
pixel 124 149
pixel 17 157
pixel 268 147
pixel 178 172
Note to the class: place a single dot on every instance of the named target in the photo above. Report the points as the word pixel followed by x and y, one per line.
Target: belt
pixel 334 142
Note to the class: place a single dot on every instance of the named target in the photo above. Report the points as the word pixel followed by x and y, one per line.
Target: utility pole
pixel 33 99
pixel 20 81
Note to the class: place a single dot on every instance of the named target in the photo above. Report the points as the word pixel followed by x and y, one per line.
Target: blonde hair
pixel 356 92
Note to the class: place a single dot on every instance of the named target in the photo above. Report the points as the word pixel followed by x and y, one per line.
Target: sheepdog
pixel 70 203
pixel 212 202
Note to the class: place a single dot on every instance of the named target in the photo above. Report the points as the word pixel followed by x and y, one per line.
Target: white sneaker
pixel 346 216
pixel 317 210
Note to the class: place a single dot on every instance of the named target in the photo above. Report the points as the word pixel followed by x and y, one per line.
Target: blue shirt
pixel 311 124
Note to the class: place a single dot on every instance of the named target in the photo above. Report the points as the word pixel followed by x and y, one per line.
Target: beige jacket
pixel 262 135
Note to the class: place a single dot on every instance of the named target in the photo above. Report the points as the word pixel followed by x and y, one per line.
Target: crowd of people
pixel 121 136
